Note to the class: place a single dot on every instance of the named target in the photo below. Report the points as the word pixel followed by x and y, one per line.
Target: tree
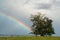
pixel 42 25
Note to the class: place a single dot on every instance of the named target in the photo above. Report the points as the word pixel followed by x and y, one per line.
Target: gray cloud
pixel 56 2
pixel 43 6
pixel 17 8
pixel 9 26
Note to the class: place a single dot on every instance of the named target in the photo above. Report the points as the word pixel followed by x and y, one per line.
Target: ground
pixel 29 38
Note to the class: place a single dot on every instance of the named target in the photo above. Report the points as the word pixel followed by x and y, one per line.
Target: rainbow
pixel 18 21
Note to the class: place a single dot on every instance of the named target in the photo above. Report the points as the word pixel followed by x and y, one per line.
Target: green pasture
pixel 29 38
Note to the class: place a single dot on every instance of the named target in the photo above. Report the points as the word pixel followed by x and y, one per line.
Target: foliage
pixel 42 25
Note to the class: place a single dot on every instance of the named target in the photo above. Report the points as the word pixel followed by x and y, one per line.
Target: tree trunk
pixel 42 35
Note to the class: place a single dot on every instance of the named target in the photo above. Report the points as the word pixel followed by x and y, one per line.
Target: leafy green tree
pixel 42 25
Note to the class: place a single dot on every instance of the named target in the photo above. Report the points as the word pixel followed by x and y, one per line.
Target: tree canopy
pixel 42 25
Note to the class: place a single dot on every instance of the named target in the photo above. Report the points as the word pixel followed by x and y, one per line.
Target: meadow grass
pixel 29 38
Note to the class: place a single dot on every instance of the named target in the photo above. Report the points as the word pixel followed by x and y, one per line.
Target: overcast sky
pixel 22 9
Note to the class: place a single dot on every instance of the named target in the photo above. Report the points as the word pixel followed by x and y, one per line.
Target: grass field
pixel 29 38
